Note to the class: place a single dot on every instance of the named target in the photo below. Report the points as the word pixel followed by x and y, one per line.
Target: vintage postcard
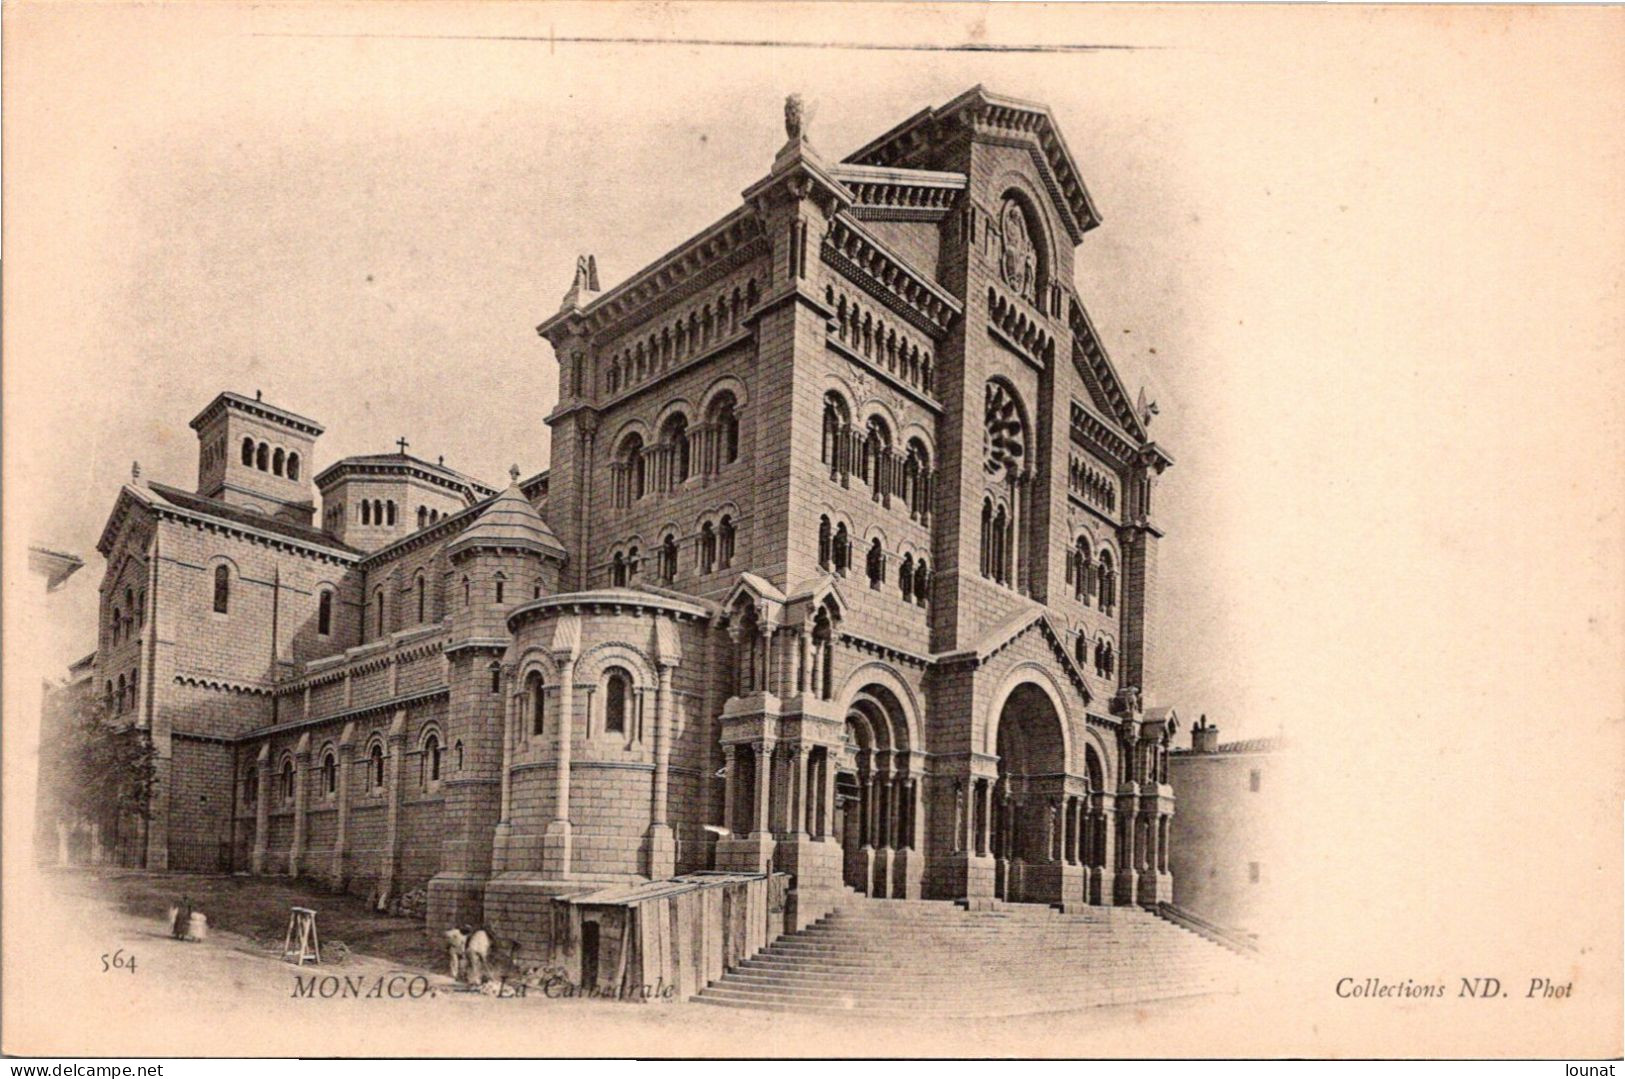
pixel 547 529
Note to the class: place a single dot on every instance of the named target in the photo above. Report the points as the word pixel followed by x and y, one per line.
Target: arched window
pixel 330 773
pixel 429 763
pixel 536 698
pixel 538 592
pixel 390 506
pixel 277 460
pixel 825 541
pixel 1108 582
pixel 987 538
pixel 632 563
pixel 135 680
pixel 501 583
pixel 376 769
pixel 222 589
pixel 251 785
pixel 1001 552
pixel 617 697
pixel 324 613
pixel 468 593
pixel 287 779
pixel 496 676
pixel 922 583
pixel 262 457
pixel 905 578
pixel 843 549
pixel 423 516
pixel 1082 570
pixel 1080 648
pixel 836 419
pixel 631 462
pixel 378 616
pixel 366 512
pixel 675 435
pixel 423 598
pixel 293 466
pixel 725 416
pixel 668 558
pixel 617 571
pixel 916 466
pixel 708 547
pixel 725 542
pixel 118 621
pixel 248 452
pixel 459 754
pixel 876 447
pixel 876 564
pixel 120 693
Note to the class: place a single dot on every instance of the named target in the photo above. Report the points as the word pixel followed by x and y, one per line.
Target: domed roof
pixel 509 522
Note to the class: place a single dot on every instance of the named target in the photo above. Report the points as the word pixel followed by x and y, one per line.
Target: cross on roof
pixel 402 443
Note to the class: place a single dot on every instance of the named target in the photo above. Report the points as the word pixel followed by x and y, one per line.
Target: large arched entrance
pixel 1029 798
pixel 877 795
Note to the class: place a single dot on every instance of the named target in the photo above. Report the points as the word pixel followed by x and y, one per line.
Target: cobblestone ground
pixel 234 995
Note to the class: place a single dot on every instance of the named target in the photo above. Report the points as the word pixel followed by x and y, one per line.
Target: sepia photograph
pixel 555 530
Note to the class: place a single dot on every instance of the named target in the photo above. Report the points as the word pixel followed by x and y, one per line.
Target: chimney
pixel 1204 737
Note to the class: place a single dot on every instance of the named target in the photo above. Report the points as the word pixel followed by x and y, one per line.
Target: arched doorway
pixel 1028 828
pixel 877 795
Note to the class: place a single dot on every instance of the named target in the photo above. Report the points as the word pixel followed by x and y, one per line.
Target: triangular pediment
pixel 1033 620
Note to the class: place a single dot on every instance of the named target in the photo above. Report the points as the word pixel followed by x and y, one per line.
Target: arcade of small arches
pixel 706 324
pixel 835 556
pixel 868 454
pixel 127 619
pixel 1049 822
pixel 1093 578
pixel 715 545
pixel 682 452
pixel 275 460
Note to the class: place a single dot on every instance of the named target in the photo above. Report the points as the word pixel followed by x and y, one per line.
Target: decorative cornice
pixel 611 599
pixel 385 705
pixel 224 685
pixel 886 651
pixel 170 511
pixel 993 117
pixel 254 407
pixel 407 466
pixel 661 276
pixel 1009 321
pixel 1092 361
pixel 862 258
pixel 1092 432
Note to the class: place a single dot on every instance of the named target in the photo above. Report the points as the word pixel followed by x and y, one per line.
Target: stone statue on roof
pixel 795 117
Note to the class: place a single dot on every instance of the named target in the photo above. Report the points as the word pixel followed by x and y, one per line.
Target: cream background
pixel 1377 253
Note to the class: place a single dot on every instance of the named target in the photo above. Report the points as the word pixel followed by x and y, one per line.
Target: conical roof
pixel 509 522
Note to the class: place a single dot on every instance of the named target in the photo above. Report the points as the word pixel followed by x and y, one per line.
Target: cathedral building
pixel 844 568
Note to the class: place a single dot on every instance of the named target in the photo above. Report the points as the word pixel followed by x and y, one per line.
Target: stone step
pixel 928 957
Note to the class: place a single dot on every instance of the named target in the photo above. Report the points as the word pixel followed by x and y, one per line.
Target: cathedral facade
pixel 843 568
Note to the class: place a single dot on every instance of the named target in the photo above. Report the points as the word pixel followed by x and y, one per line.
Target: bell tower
pixel 256 456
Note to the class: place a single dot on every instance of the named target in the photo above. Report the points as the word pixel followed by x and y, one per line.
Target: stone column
pixel 662 844
pixel 764 786
pixel 556 841
pixel 1102 878
pixel 826 808
pixel 341 831
pixel 804 803
pixel 301 786
pixel 262 810
pixel 392 794
pixel 730 782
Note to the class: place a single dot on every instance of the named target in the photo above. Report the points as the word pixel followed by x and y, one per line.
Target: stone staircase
pixel 934 958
